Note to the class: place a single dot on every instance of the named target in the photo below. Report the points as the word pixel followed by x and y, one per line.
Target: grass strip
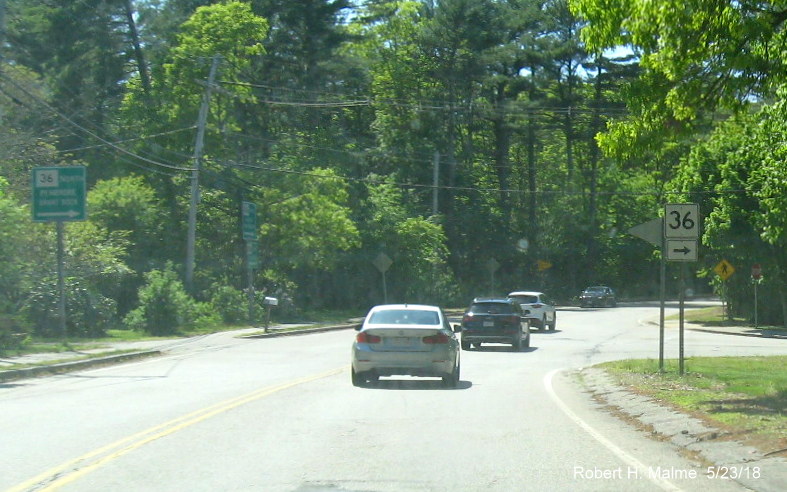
pixel 745 396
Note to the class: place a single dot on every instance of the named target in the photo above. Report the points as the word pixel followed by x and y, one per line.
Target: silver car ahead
pixel 405 339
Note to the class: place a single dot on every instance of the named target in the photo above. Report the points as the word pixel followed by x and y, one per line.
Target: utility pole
pixel 192 226
pixel 435 182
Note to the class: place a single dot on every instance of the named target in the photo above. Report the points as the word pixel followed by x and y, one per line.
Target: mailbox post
pixel 269 302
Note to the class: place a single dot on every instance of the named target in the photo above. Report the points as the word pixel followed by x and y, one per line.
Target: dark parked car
pixel 598 296
pixel 495 321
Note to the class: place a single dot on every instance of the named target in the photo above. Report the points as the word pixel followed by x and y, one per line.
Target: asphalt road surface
pixel 221 413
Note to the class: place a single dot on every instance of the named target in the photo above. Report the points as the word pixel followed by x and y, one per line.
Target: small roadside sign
pixel 756 271
pixel 543 265
pixel 59 194
pixel 681 250
pixel 724 269
pixel 682 221
pixel 651 231
pixel 382 262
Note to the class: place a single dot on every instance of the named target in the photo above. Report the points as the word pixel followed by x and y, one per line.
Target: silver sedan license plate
pixel 400 341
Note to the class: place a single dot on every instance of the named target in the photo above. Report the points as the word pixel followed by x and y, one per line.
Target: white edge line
pixel 623 455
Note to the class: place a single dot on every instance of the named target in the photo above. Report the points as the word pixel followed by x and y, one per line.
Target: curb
pixel 305 331
pixel 762 334
pixel 686 432
pixel 753 335
pixel 63 367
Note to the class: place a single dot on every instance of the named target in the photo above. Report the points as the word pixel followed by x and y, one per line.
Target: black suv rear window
pixel 492 308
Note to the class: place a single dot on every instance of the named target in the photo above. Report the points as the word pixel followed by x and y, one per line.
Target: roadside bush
pixel 13 333
pixel 165 307
pixel 88 313
pixel 229 303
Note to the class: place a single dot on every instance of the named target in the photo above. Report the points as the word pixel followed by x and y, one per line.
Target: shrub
pixel 88 313
pixel 13 333
pixel 230 304
pixel 165 307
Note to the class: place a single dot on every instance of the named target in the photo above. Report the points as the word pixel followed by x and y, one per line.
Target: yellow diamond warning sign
pixel 724 269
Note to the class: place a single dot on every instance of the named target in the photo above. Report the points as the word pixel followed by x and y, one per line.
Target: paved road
pixel 222 413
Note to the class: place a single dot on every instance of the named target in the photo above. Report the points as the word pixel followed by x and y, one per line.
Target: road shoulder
pixel 738 461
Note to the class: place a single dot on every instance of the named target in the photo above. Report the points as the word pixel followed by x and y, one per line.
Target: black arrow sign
pixel 683 250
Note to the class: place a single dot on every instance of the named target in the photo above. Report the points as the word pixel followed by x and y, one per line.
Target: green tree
pixel 418 247
pixel 233 33
pixel 93 269
pixel 742 165
pixel 302 50
pixel 16 262
pixel 228 30
pixel 696 55
pixel 82 52
pixel 130 207
pixel 305 228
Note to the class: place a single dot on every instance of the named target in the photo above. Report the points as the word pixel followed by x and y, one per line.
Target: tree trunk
pixel 502 134
pixel 138 53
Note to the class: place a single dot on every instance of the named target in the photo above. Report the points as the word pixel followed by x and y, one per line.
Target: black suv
pixel 495 321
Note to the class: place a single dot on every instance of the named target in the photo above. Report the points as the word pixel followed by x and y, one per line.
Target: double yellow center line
pixel 70 471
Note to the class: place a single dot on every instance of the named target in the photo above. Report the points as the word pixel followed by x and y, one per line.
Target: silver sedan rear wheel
pixel 356 378
pixel 452 380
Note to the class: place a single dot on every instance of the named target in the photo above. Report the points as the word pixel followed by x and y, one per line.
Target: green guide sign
pixel 59 194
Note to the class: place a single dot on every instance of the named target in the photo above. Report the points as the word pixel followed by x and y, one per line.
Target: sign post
pixel 724 270
pixel 492 266
pixel 653 232
pixel 756 278
pixel 383 262
pixel 59 196
pixel 249 233
pixel 681 237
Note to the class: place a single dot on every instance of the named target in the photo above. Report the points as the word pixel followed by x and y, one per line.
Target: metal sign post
pixel 724 270
pixel 681 238
pixel 492 266
pixel 249 233
pixel 653 232
pixel 756 278
pixel 383 262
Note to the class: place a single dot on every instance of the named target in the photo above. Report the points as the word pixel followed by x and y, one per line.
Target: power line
pixel 463 188
pixel 100 146
pixel 513 108
pixel 89 132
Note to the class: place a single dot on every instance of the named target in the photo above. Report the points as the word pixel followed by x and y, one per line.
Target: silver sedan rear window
pixel 404 317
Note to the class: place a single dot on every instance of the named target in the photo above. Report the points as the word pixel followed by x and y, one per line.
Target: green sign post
pixel 253 253
pixel 59 194
pixel 248 214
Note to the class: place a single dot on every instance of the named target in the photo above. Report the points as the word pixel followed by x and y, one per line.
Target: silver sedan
pixel 405 339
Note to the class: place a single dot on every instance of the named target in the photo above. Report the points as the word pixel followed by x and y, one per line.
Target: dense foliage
pixel 482 145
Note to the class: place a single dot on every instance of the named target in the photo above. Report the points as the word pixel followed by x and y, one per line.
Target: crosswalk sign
pixel 724 269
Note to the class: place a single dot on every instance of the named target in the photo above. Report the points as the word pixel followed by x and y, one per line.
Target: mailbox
pixel 270 301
